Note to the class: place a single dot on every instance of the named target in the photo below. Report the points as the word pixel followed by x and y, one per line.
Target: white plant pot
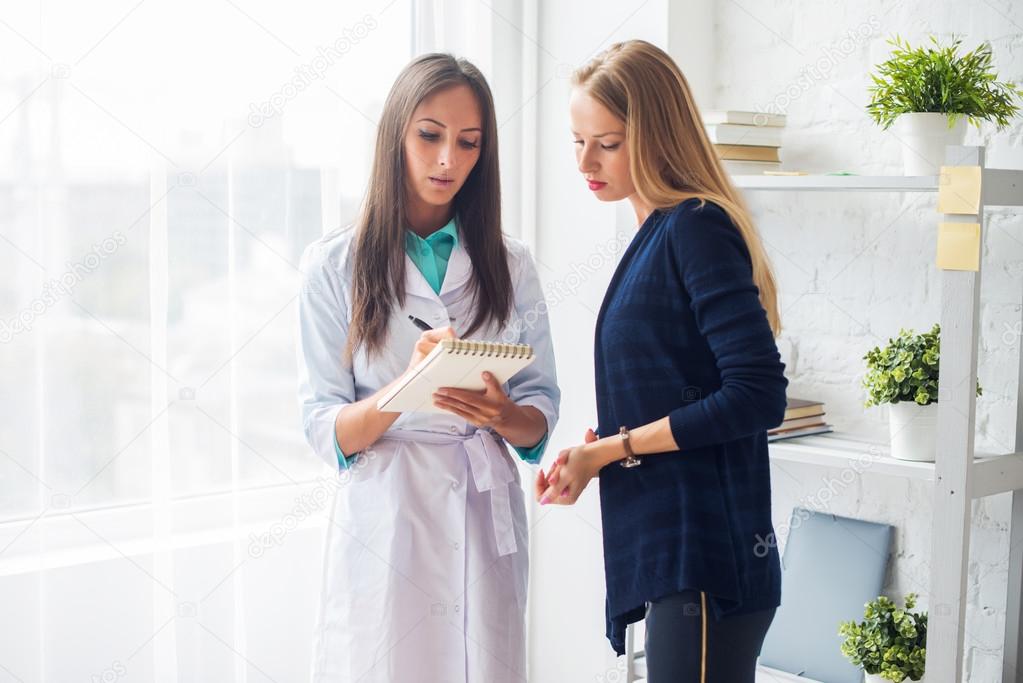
pixel 913 430
pixel 924 136
pixel 876 678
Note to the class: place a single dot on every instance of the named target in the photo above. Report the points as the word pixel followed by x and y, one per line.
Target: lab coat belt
pixel 490 472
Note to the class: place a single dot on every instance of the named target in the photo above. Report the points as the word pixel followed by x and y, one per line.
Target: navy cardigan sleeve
pixel 714 265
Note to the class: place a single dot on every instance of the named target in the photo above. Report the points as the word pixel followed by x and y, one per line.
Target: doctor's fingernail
pixel 544 500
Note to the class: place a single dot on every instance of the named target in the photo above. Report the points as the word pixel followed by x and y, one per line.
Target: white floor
pixel 766 675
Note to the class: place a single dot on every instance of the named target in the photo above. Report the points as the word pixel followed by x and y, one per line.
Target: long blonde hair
pixel 670 157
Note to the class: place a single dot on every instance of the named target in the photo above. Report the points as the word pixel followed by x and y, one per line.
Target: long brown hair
pixel 379 250
pixel 671 158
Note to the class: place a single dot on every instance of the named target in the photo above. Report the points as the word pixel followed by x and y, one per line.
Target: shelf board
pixel 838 183
pixel 843 451
pixel 992 473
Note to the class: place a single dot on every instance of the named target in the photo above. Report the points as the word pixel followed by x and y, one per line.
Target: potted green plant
pixel 904 375
pixel 929 93
pixel 890 644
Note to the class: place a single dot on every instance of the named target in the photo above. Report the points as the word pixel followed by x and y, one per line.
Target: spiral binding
pixel 469 347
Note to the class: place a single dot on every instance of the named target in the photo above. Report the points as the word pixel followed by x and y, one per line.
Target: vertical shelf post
pixel 957 400
pixel 1012 658
pixel 1012 649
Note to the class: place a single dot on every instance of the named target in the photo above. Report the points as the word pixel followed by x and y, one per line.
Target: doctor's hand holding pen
pixel 359 425
pixel 427 340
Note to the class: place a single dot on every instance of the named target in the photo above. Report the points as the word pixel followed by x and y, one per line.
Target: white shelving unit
pixel 959 475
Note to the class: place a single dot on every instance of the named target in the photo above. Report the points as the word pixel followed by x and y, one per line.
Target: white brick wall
pixel 854 268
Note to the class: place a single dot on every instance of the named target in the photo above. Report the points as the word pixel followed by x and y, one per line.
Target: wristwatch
pixel 630 459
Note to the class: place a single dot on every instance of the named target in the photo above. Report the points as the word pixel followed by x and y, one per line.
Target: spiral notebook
pixel 455 363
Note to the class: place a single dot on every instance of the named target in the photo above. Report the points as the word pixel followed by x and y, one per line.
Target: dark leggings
pixel 685 644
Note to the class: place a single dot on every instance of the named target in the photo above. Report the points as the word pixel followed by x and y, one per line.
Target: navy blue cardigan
pixel 682 333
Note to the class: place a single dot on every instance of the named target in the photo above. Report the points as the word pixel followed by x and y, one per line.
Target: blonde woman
pixel 425 568
pixel 688 380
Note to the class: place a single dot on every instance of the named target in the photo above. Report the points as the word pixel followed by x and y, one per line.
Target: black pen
pixel 419 323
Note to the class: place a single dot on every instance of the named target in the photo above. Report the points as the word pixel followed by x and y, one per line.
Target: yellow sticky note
pixel 958 246
pixel 959 189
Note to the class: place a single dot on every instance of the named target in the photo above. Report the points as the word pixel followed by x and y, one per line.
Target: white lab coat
pixel 426 554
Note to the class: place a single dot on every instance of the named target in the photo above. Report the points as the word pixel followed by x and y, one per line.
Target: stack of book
pixel 802 418
pixel 747 142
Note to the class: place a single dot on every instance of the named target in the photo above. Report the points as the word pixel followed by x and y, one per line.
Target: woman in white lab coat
pixel 425 566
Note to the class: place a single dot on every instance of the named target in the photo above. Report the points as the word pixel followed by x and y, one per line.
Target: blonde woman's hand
pixel 569 475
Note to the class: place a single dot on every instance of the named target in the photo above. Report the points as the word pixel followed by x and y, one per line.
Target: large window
pixel 164 166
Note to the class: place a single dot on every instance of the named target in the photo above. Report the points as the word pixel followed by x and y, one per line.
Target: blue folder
pixel 832 566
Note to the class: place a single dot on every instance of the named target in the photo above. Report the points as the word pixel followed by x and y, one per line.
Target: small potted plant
pixel 904 375
pixel 890 645
pixel 929 93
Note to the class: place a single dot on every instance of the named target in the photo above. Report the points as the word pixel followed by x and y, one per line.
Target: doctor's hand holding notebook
pixel 464 377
